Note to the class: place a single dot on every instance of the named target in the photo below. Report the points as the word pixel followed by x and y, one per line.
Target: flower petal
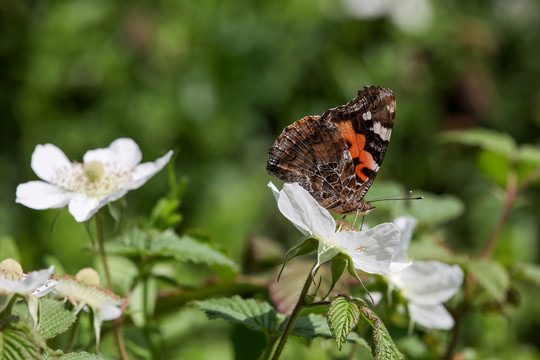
pixel 123 152
pixel 297 205
pixel 431 316
pixel 40 195
pixel 396 267
pixel 429 282
pixel 325 252
pixel 405 225
pixel 30 282
pixel 144 172
pixel 110 312
pixel 370 250
pixel 47 160
pixel 83 207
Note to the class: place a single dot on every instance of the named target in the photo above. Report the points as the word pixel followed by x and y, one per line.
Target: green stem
pixel 292 318
pixel 103 255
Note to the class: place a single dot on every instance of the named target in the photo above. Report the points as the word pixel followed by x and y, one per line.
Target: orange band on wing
pixel 357 143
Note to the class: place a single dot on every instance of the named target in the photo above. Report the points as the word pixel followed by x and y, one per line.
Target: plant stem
pixel 103 255
pixel 511 191
pixel 118 322
pixel 292 318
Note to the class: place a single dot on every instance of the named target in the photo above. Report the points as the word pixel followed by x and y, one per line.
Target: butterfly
pixel 337 155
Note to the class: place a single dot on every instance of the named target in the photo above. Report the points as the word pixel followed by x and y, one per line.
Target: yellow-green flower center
pixel 93 170
pixel 11 270
pixel 88 276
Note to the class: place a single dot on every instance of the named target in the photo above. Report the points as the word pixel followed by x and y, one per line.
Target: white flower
pixel 426 285
pixel 30 286
pixel 371 251
pixel 412 16
pixel 105 175
pixel 84 290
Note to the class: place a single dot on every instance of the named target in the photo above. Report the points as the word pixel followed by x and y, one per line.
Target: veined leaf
pixel 384 347
pixel 73 356
pixel 256 315
pixel 314 325
pixel 55 318
pixel 342 317
pixel 18 340
pixel 167 244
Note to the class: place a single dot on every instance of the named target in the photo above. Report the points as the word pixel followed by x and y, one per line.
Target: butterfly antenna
pixel 393 197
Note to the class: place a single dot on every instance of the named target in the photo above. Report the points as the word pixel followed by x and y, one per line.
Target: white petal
pixel 33 307
pixel 31 282
pixel 83 207
pixel 297 205
pixel 40 195
pixel 429 282
pixel 45 288
pixel 396 267
pixel 110 312
pixel 274 189
pixel 145 171
pixel 35 279
pixel 405 225
pixel 431 316
pixel 47 160
pixel 124 152
pixel 370 250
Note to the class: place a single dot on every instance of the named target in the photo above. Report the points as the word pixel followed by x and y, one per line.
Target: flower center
pixel 94 178
pixel 93 170
pixel 11 270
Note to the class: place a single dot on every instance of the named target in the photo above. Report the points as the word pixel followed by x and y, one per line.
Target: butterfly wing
pixel 366 124
pixel 314 154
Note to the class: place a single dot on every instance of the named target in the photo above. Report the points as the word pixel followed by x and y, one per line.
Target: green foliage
pixel 383 346
pixel 18 340
pixel 342 316
pixel 55 318
pixel 137 243
pixel 254 314
pixel 492 278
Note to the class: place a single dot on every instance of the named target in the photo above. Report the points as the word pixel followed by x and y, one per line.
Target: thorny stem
pixel 292 318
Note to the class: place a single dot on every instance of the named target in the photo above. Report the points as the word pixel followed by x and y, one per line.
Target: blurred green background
pixel 218 80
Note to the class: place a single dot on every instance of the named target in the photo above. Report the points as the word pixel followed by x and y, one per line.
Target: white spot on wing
pixel 366 116
pixel 382 131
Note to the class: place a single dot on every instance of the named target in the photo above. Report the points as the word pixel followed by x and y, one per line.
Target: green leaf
pixel 339 263
pixel 73 356
pixel 314 325
pixel 18 340
pixel 384 348
pixel 55 318
pixel 486 139
pixel 492 277
pixel 167 244
pixel 256 315
pixel 528 272
pixel 342 317
pixel 436 209
pixel 529 154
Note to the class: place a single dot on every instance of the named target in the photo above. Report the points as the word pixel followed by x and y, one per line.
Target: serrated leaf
pixel 167 244
pixel 342 317
pixel 19 341
pixel 436 209
pixel 256 315
pixel 486 139
pixel 492 277
pixel 314 325
pixel 55 318
pixel 83 355
pixel 384 347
